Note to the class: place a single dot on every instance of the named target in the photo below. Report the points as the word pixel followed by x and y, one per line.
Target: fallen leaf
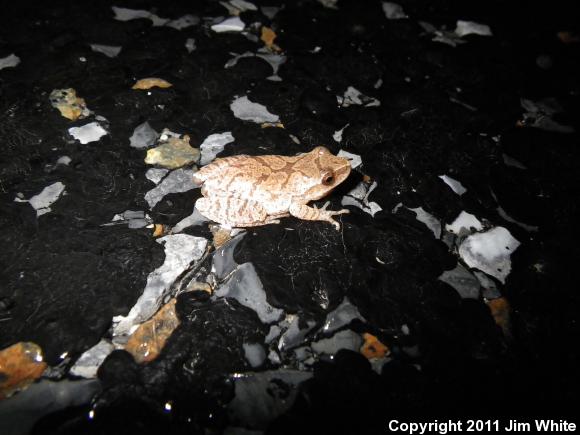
pixel 69 104
pixel 151 82
pixel 146 343
pixel 268 36
pixel 20 365
pixel 159 230
pixel 568 37
pixel 373 348
pixel 500 310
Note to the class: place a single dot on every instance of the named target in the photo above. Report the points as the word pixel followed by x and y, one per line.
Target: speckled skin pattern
pixel 247 191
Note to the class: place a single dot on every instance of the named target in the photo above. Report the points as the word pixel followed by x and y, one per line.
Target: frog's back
pixel 218 167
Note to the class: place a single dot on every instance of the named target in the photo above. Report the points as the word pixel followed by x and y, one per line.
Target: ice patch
pixel 156 174
pixel 178 181
pixel 246 110
pixel 90 361
pixel 9 61
pixel 42 201
pixel 455 185
pixel 213 145
pixel 394 11
pixel 490 252
pixel 274 60
pixel 353 96
pixel 245 286
pixel 341 340
pixel 262 396
pixel 429 220
pixel 88 133
pixel 464 28
pixel 134 219
pixel 143 136
pixel 359 197
pixel 125 14
pixel 269 11
pixel 19 414
pixel 330 4
pixel 195 218
pixel 180 251
pixel 463 281
pixel 510 161
pixel 107 50
pixel 183 22
pixel 236 7
pixel 463 224
pixel 539 115
pixel 233 24
pixel 337 136
pixel 190 45
pixel 294 335
pixel 355 159
pixel 254 353
pixel 341 316
pixel 64 160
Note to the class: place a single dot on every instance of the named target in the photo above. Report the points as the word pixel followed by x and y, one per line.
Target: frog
pixel 247 191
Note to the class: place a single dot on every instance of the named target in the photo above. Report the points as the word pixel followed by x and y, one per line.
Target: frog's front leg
pixel 303 211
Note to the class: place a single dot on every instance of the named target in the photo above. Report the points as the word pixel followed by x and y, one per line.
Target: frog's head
pixel 332 171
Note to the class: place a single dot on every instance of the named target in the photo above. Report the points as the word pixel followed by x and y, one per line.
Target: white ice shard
pixel 455 185
pixel 355 159
pixel 9 61
pixel 181 250
pixel 63 160
pixel 463 224
pixel 260 397
pixel 353 96
pixel 107 50
pixel 247 110
pixel 463 281
pixel 178 181
pixel 275 61
pixel 490 252
pixel 346 339
pixel 245 286
pixel 294 335
pixel 190 45
pixel 42 201
pixel 183 22
pixel 394 11
pixel 337 136
pixel 213 145
pixel 85 134
pixel 359 197
pixel 341 316
pixel 429 220
pixel 126 14
pixel 270 11
pixel 143 136
pixel 464 28
pixel 155 175
pixel 254 353
pixel 195 218
pixel 90 361
pixel 232 24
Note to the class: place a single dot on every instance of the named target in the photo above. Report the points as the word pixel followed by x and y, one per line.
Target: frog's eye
pixel 328 178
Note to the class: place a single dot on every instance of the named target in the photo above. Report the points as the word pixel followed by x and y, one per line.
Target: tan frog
pixel 247 191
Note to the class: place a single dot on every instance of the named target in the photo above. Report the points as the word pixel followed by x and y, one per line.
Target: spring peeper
pixel 247 191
